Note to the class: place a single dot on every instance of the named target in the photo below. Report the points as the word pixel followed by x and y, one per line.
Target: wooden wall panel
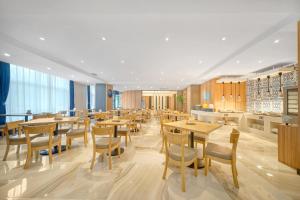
pixel 193 97
pixel 211 93
pixel 131 99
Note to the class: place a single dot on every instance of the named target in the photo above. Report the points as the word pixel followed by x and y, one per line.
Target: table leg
pixel 26 118
pixel 200 160
pixel 115 151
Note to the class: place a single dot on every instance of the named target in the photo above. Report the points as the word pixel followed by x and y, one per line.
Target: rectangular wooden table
pixel 44 121
pixel 115 123
pixel 196 128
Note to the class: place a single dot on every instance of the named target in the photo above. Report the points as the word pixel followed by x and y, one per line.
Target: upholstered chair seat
pixel 103 143
pixel 218 151
pixel 175 153
pixel 43 141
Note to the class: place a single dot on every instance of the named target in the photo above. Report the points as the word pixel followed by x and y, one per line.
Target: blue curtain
pixel 72 103
pixel 4 87
pixel 88 97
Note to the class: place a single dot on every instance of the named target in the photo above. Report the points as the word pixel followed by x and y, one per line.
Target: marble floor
pixel 138 173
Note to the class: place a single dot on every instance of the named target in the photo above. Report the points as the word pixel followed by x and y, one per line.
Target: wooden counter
pixel 289 146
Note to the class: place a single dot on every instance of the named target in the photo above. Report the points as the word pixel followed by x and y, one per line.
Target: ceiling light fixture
pixel 82 61
pixel 6 54
pixel 101 72
pixel 166 39
pixel 237 62
pixel 122 61
pixel 276 41
pixel 72 76
pixel 48 68
pixel 42 38
pixel 200 62
pixel 224 38
pixel 103 38
pixel 260 61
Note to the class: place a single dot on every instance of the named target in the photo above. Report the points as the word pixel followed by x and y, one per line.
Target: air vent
pixel 273 67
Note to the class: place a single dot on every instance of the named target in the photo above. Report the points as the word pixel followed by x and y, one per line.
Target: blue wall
pixel 100 93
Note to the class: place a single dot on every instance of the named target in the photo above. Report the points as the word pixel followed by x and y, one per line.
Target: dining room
pixel 149 100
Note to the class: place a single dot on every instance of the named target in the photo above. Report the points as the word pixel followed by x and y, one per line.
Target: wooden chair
pixel 77 133
pixel 48 141
pixel 13 139
pixel 162 121
pixel 103 144
pixel 224 154
pixel 125 131
pixel 178 154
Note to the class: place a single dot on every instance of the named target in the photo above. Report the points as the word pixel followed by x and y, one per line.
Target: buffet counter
pixel 265 125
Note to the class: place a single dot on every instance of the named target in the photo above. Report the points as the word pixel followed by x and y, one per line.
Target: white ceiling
pixel 135 32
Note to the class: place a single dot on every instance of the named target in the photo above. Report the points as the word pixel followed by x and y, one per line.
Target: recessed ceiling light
pixel 42 38
pixel 200 62
pixel 49 68
pixel 122 61
pixel 101 72
pixel 151 87
pixel 82 61
pixel 87 81
pixel 276 41
pixel 260 61
pixel 103 38
pixel 224 38
pixel 72 76
pixel 162 73
pixel 237 62
pixel 6 54
pixel 166 39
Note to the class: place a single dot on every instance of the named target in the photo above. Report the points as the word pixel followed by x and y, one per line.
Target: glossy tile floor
pixel 138 173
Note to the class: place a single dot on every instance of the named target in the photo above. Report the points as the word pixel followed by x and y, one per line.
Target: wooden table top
pixel 15 115
pixel 196 127
pixel 50 120
pixel 113 122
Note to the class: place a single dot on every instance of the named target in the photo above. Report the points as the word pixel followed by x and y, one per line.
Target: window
pixel 35 91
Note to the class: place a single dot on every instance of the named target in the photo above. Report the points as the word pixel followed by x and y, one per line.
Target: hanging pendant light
pixel 280 92
pixel 231 89
pixel 268 90
pixel 258 91
pixel 223 96
pixel 239 96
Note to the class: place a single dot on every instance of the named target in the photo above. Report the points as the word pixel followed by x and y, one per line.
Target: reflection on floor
pixel 138 173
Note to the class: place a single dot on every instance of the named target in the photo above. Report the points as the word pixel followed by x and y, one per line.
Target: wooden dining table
pixel 195 128
pixel 115 123
pixel 51 120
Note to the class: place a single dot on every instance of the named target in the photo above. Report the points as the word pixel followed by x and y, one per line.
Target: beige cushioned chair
pixel 178 154
pixel 48 141
pixel 224 154
pixel 77 133
pixel 104 144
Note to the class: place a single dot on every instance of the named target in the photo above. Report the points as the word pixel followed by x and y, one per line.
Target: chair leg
pixel 37 155
pixel 70 143
pixel 50 155
pixel 126 140
pixel 196 167
pixel 206 166
pixel 234 174
pixel 109 160
pixel 182 170
pixel 18 149
pixel 28 159
pixel 6 152
pixel 209 161
pixel 59 147
pixel 166 168
pixel 93 159
pixel 129 137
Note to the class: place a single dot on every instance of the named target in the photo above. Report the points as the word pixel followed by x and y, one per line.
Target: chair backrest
pixel 12 126
pixel 234 137
pixel 39 129
pixel 102 131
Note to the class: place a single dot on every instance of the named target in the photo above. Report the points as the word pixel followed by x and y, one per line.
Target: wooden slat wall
pixel 193 96
pixel 211 93
pixel 131 99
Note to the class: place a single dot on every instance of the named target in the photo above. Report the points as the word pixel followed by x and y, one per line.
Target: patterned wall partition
pixel 265 102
